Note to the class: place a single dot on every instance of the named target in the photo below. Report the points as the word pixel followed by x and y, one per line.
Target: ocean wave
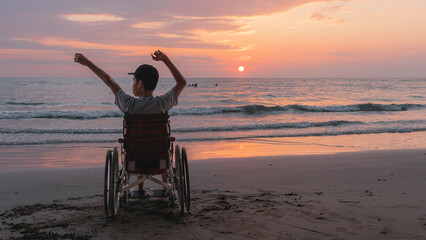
pixel 61 131
pixel 261 109
pixel 66 114
pixel 246 109
pixel 25 103
pixel 271 126
pixel 57 141
pixel 296 125
pixel 315 134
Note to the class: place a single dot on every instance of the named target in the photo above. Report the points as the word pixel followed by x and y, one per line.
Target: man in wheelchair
pixel 145 80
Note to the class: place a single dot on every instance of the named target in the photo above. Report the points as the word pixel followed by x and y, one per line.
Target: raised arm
pixel 109 81
pixel 180 80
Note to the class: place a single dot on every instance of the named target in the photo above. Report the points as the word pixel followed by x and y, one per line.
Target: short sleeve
pixel 168 100
pixel 123 100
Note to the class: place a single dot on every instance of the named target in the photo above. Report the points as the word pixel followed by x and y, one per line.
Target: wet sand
pixel 356 195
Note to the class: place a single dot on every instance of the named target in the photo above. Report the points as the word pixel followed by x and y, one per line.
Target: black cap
pixel 145 71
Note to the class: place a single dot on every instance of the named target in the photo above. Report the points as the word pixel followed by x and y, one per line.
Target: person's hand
pixel 80 58
pixel 159 56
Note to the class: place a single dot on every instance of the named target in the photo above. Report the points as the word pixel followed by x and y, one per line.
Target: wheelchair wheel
pixel 107 181
pixel 186 180
pixel 180 180
pixel 114 187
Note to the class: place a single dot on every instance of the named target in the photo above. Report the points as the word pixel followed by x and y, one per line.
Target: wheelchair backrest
pixel 146 140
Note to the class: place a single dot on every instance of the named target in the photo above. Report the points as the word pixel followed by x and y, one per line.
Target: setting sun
pixel 241 68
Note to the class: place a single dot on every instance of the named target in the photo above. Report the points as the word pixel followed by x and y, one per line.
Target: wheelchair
pixel 147 149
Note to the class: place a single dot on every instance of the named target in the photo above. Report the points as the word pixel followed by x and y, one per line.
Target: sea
pixel 357 113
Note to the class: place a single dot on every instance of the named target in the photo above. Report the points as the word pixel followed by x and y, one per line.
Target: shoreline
pixel 82 155
pixel 351 195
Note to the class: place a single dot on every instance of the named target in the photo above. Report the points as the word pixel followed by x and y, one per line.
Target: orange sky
pixel 294 38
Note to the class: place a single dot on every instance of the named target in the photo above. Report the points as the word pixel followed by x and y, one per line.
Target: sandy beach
pixel 355 195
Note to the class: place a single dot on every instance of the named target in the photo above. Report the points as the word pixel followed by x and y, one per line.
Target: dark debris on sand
pixel 29 231
pixel 43 221
pixel 31 209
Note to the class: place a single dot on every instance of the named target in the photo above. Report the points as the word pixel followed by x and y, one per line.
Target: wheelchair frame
pixel 117 178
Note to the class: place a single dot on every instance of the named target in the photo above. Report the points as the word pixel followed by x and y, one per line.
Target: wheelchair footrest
pixel 160 193
pixel 149 193
pixel 140 194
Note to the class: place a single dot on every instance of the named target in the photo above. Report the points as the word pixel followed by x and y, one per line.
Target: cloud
pixel 327 14
pixel 236 8
pixel 170 35
pixel 119 49
pixel 208 24
pixel 245 58
pixel 67 44
pixel 242 48
pixel 211 32
pixel 197 59
pixel 149 25
pixel 91 18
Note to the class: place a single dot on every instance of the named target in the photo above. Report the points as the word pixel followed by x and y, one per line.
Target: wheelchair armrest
pixel 172 139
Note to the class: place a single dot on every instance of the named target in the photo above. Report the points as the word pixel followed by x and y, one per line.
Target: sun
pixel 241 68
